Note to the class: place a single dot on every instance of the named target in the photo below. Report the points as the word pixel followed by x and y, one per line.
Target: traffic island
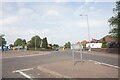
pixel 86 69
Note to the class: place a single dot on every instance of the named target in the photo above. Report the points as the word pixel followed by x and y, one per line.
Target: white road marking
pixel 96 62
pixel 110 65
pixel 23 70
pixel 22 73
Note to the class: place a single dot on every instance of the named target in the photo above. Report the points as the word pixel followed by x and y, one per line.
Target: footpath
pixel 86 69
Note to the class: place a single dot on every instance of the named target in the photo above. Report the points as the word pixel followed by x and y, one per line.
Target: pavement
pixel 86 69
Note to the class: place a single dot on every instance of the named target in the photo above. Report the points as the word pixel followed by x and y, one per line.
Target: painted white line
pixel 25 75
pixel 25 55
pixel 110 65
pixel 23 70
pixel 96 62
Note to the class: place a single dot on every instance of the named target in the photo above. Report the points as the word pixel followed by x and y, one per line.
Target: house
pixel 107 39
pixel 94 41
pixel 84 42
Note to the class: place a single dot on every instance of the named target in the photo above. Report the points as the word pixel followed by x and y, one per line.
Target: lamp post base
pixel 89 50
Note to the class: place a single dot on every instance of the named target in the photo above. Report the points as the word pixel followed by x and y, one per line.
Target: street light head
pixel 81 15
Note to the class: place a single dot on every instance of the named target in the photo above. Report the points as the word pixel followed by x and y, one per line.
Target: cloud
pixel 9 20
pixel 22 15
pixel 25 11
pixel 57 21
pixel 58 0
pixel 52 12
pixel 83 23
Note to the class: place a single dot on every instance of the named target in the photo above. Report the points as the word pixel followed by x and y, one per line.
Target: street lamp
pixel 88 30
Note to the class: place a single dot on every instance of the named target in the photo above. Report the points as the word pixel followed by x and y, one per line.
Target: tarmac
pixel 22 53
pixel 66 68
pixel 86 69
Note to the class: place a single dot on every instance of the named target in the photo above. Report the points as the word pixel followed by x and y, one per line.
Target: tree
pixel 18 42
pixel 11 45
pixel 104 43
pixel 2 40
pixel 115 22
pixel 56 45
pixel 45 43
pixel 2 35
pixel 24 43
pixel 67 45
pixel 35 41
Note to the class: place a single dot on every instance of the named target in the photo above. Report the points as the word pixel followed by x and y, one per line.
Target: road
pixel 17 63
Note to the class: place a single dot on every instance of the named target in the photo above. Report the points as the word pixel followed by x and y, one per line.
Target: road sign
pixel 77 48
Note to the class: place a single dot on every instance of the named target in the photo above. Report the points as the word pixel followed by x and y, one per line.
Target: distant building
pixel 94 45
pixel 97 43
pixel 107 38
pixel 84 42
pixel 94 41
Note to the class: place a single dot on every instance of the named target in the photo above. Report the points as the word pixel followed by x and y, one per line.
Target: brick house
pixel 107 38
pixel 94 41
pixel 84 42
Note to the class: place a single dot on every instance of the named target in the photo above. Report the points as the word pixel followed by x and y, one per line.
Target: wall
pixel 94 45
pixel 108 50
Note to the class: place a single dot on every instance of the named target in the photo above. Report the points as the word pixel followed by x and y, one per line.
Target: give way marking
pixel 22 73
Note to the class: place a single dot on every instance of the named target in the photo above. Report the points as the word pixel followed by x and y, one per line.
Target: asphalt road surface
pixel 17 63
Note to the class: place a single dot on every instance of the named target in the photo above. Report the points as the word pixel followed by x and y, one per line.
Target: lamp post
pixel 35 41
pixel 88 30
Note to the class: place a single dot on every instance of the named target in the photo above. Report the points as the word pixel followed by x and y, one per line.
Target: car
pixel 57 49
pixel 113 45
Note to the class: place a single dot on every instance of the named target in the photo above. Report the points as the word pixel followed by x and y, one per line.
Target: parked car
pixel 113 45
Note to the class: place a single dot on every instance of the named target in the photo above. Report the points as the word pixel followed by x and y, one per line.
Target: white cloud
pixel 1 13
pixel 52 12
pixel 58 23
pixel 89 0
pixel 9 20
pixel 25 11
pixel 45 30
pixel 83 23
pixel 92 11
pixel 58 0
pixel 23 14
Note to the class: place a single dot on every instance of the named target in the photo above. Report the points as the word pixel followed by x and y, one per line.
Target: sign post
pixel 77 48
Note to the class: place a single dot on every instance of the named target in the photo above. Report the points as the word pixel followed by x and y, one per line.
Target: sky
pixel 59 21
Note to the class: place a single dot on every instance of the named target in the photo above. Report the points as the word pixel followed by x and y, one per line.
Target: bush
pixel 104 45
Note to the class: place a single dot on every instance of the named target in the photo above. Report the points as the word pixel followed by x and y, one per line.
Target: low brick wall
pixel 108 50
pixel 113 50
